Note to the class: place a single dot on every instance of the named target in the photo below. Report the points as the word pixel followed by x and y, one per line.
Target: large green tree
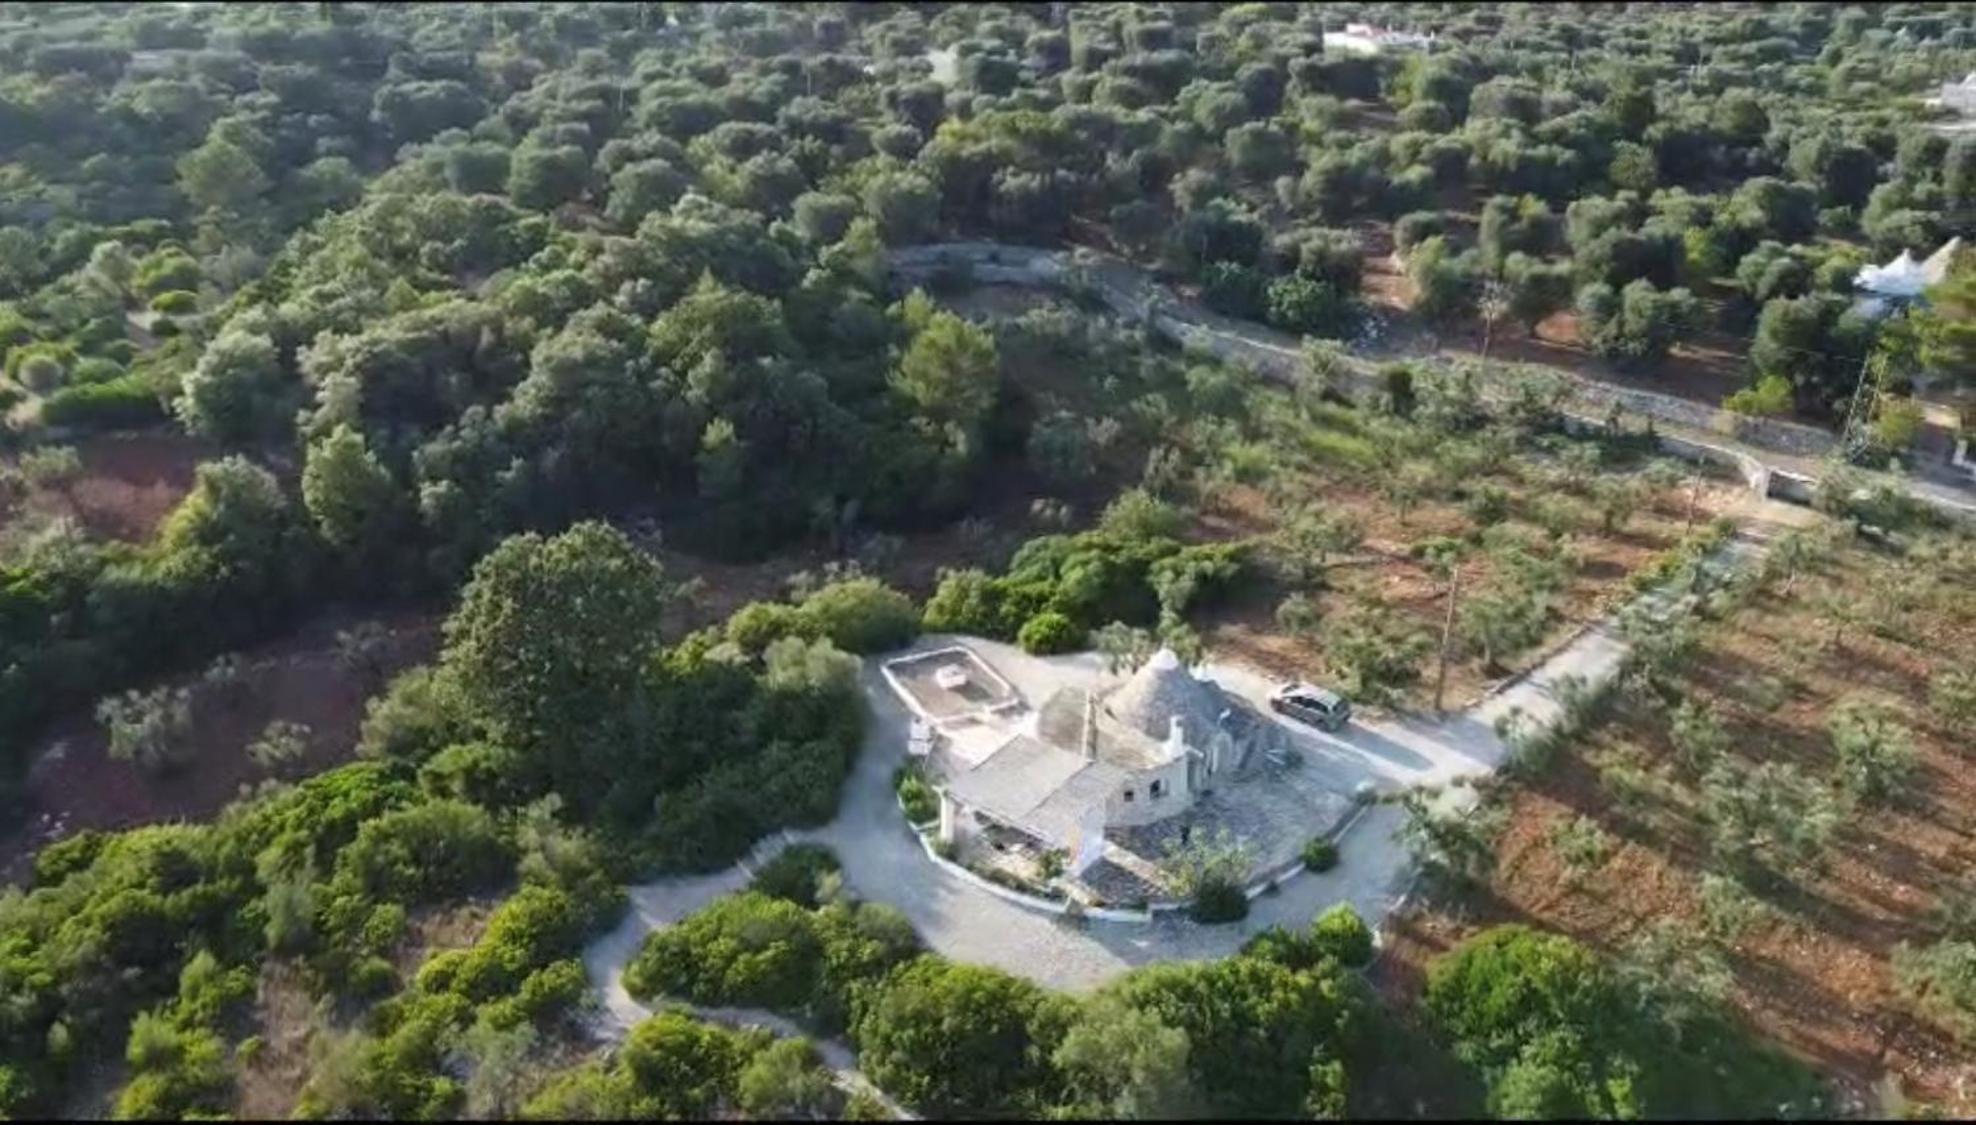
pixel 550 645
pixel 221 176
pixel 355 504
pixel 1947 324
pixel 960 1040
pixel 238 392
pixel 948 371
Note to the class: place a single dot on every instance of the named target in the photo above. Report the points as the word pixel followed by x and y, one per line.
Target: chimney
pixel 1090 727
pixel 1176 741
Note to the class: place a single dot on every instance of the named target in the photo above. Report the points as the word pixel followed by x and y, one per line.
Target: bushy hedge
pixel 861 615
pixel 751 950
pixel 1086 580
pixel 950 1039
pixel 125 402
pixel 1049 632
pixel 675 1068
pixel 1556 1033
pixel 1320 854
pixel 795 874
pixel 173 301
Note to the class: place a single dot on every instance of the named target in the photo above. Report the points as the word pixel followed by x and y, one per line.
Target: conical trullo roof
pixel 1161 690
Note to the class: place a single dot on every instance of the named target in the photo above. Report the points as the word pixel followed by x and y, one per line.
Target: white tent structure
pixel 1366 39
pixel 1958 96
pixel 1904 278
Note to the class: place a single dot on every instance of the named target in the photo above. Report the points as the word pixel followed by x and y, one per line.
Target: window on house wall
pixel 1159 789
pixel 1128 796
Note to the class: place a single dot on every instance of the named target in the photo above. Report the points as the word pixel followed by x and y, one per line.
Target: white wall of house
pixel 1145 808
pixel 1089 846
pixel 952 817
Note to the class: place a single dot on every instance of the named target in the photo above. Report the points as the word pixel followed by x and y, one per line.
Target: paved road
pixel 1131 293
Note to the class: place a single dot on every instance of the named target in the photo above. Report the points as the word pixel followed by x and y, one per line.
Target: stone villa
pixel 1086 762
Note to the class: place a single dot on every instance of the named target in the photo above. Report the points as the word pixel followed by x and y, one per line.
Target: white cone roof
pixel 1161 690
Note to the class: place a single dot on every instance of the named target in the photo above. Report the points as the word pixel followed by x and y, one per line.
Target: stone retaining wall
pixel 1030 902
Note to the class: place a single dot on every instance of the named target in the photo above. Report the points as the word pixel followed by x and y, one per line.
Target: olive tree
pixel 150 729
pixel 1876 753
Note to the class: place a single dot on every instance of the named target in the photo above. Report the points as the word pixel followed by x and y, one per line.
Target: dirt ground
pixel 1244 626
pixel 1705 368
pixel 1813 972
pixel 129 483
pixel 75 785
pixel 286 1018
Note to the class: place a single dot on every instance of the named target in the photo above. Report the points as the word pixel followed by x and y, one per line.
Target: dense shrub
pixel 948 1039
pixel 175 301
pixel 443 849
pixel 671 1067
pixel 795 873
pixel 1090 579
pixel 1555 1033
pixel 1049 632
pixel 756 950
pixel 1339 932
pixel 1218 900
pixel 918 799
pixel 1265 1039
pixel 482 773
pixel 758 624
pixel 861 615
pixel 123 403
pixel 747 950
pixel 1235 290
pixel 1320 854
